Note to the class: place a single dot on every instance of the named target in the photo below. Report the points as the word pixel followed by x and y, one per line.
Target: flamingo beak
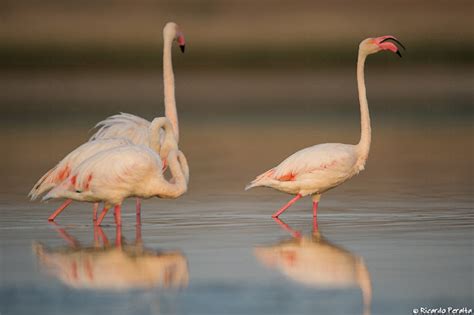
pixel 385 43
pixel 181 42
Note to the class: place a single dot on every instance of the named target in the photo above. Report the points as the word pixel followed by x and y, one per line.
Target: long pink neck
pixel 365 134
pixel 168 83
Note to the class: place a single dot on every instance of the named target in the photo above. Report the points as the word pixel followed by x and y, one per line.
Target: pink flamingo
pixel 315 170
pixel 113 175
pixel 63 169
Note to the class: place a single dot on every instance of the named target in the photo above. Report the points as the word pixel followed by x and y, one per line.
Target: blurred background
pixel 259 80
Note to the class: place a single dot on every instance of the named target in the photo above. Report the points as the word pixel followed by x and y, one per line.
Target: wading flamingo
pixel 127 171
pixel 63 169
pixel 315 170
pixel 136 128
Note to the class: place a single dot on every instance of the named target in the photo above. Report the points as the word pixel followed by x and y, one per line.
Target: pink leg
pixel 105 240
pixel 102 215
pixel 138 204
pixel 96 236
pixel 118 236
pixel 315 216
pixel 287 228
pixel 60 209
pixel 292 201
pixel 118 216
pixel 94 212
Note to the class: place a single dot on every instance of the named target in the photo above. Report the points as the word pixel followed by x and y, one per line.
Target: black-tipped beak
pixel 395 40
pixel 399 54
pixel 182 48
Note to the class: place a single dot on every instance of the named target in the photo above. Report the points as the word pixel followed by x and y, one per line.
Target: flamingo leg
pixel 285 207
pixel 96 236
pixel 94 212
pixel 315 216
pixel 118 236
pixel 105 240
pixel 59 209
pixel 287 228
pixel 102 215
pixel 139 208
pixel 118 216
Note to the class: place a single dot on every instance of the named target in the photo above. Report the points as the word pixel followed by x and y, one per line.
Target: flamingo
pixel 135 128
pixel 112 175
pixel 319 168
pixel 62 170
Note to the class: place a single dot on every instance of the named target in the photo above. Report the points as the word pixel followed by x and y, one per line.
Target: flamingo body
pixel 63 169
pixel 313 170
pixel 113 175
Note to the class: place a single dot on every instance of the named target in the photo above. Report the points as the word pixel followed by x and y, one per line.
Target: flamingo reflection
pixel 313 261
pixel 105 266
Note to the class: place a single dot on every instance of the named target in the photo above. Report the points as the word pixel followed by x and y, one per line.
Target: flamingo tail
pixel 45 183
pixel 260 180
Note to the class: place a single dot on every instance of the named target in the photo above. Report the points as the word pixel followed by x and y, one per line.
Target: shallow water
pixel 397 237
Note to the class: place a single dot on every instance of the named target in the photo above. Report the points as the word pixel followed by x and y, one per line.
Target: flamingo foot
pixel 285 207
pixel 102 215
pixel 59 209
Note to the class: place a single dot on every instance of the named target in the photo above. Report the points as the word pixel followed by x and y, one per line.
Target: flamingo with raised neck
pixel 317 169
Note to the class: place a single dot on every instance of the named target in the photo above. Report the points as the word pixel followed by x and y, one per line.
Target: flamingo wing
pixel 63 169
pixel 315 159
pixel 123 125
pixel 110 175
pixel 320 161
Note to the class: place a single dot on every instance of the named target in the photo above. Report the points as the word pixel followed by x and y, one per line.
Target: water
pixel 397 237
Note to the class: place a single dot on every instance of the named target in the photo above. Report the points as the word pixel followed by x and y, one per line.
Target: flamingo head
pixel 172 30
pixel 374 45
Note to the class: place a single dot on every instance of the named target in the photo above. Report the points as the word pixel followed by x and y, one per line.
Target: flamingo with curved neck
pixel 113 175
pixel 89 150
pixel 317 169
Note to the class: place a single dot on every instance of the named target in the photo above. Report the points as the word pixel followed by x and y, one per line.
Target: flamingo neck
pixel 161 145
pixel 168 83
pixel 177 185
pixel 365 134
